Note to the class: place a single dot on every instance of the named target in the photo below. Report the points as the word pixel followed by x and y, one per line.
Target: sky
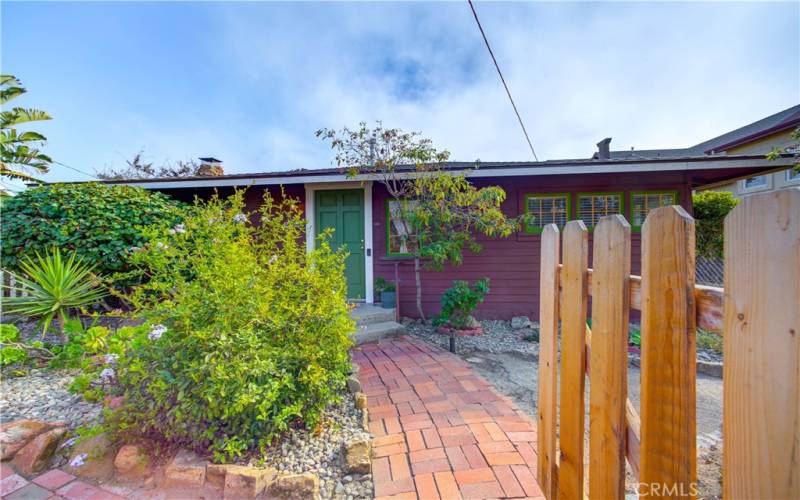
pixel 250 83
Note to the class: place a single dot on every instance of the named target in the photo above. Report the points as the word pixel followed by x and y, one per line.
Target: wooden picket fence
pixel 10 286
pixel 758 311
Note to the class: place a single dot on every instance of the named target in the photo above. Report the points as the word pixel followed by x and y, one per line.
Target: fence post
pixel 548 359
pixel 761 419
pixel 573 359
pixel 609 357
pixel 668 450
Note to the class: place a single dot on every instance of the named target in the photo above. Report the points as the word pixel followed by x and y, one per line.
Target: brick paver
pixel 440 430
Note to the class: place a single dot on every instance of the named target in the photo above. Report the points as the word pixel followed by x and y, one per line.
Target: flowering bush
pixel 246 333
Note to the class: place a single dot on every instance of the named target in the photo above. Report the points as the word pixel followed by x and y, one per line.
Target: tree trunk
pixel 418 279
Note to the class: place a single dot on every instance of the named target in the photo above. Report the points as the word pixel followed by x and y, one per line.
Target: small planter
pixel 388 299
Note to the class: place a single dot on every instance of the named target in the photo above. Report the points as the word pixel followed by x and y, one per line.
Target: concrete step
pixel 368 314
pixel 376 331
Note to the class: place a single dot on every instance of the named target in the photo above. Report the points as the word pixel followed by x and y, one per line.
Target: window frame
pixel 674 192
pixel 789 179
pixel 389 252
pixel 619 194
pixel 754 189
pixel 528 229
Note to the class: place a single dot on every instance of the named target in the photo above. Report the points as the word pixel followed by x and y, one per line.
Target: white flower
pixel 180 228
pixel 161 246
pixel 69 442
pixel 273 259
pixel 135 249
pixel 108 374
pixel 111 359
pixel 240 218
pixel 79 460
pixel 156 332
pixel 212 220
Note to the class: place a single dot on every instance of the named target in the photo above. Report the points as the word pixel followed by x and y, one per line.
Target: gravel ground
pixel 498 336
pixel 306 451
pixel 43 394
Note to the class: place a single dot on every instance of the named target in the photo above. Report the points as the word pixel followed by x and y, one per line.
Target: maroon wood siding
pixel 511 264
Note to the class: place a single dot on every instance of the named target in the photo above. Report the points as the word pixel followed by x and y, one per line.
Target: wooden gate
pixel 759 313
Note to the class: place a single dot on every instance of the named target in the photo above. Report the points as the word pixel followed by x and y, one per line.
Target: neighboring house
pixel 553 191
pixel 757 138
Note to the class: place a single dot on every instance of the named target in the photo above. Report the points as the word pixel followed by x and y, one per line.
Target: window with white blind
pixel 544 209
pixel 594 206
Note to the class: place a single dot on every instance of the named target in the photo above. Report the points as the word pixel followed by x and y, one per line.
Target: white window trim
pixel 766 187
pixel 368 250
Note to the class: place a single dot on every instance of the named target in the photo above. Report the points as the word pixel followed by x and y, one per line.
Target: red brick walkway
pixel 439 429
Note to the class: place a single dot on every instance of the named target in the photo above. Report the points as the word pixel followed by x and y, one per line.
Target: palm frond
pixel 22 115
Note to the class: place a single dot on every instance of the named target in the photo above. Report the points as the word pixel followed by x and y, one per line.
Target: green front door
pixel 343 210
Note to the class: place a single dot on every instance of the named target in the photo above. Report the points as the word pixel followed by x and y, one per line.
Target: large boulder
pixel 357 456
pixel 15 435
pixel 301 486
pixel 35 456
pixel 186 469
pixel 93 458
pixel 132 461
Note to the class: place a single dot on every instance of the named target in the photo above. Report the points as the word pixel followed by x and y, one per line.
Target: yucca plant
pixel 53 285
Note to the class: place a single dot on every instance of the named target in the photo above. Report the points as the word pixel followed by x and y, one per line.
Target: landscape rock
pixel 114 403
pixel 520 322
pixel 132 461
pixel 246 482
pixel 305 486
pixel 361 400
pixel 471 322
pixel 15 435
pixel 357 456
pixel 186 469
pixel 35 456
pixel 93 458
pixel 353 385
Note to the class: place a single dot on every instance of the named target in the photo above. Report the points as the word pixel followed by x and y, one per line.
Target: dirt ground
pixel 516 376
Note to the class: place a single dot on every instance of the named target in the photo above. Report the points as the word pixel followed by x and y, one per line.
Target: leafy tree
pixel 447 210
pixel 139 168
pixel 19 151
pixel 710 209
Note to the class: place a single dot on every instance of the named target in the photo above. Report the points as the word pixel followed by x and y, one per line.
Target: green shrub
pixel 710 209
pixel 460 300
pixel 10 354
pixel 709 340
pixel 100 222
pixel 635 337
pixel 246 333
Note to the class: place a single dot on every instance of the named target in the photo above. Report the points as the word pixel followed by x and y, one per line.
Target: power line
pixel 76 170
pixel 519 118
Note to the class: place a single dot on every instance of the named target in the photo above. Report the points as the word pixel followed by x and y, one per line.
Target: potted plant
pixel 458 302
pixel 386 292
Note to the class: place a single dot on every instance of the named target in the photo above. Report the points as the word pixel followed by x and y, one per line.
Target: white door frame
pixel 311 228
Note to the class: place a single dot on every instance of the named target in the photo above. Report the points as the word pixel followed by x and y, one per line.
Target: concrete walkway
pixel 440 430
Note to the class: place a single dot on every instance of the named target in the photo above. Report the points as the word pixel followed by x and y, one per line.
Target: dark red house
pixel 553 191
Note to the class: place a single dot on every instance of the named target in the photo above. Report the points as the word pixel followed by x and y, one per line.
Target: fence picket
pixel 668 432
pixel 573 359
pixel 762 347
pixel 548 358
pixel 609 357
